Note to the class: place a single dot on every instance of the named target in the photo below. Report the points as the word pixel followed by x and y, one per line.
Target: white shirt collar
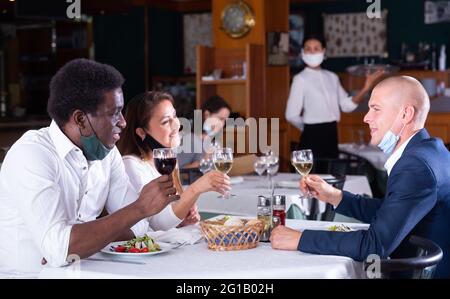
pixel 63 144
pixel 396 155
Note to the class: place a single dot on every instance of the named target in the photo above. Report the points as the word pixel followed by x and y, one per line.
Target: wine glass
pixel 272 165
pixel 205 165
pixel 223 162
pixel 165 160
pixel 302 160
pixel 260 166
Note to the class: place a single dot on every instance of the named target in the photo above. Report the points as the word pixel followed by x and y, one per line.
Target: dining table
pixel 246 189
pixel 196 261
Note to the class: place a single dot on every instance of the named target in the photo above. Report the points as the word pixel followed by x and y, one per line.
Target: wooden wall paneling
pixel 438 125
pixel 204 62
pixel 235 95
pixel 255 81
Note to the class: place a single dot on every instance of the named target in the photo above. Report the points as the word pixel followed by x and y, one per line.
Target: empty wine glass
pixel 165 160
pixel 223 162
pixel 303 162
pixel 272 165
pixel 260 166
pixel 205 165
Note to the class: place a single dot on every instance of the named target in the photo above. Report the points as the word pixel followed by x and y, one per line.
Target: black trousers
pixel 322 139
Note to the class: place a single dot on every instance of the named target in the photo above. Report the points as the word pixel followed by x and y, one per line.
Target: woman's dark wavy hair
pixel 138 112
pixel 80 84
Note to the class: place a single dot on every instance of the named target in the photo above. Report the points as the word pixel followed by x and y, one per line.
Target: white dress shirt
pixel 316 96
pixel 47 186
pixel 396 155
pixel 140 173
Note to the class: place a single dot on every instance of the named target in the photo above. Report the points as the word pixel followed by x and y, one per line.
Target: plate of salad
pixel 144 245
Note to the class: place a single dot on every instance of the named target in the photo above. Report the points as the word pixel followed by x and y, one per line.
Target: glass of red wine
pixel 165 160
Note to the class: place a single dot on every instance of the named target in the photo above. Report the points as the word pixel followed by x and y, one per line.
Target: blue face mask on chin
pixel 93 148
pixel 389 141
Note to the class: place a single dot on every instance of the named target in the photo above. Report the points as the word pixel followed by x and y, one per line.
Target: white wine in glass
pixel 303 168
pixel 302 160
pixel 223 161
pixel 223 166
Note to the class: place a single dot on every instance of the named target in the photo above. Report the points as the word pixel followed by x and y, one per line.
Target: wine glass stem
pixel 308 194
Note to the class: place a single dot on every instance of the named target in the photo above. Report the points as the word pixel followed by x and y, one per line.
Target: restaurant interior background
pixel 152 43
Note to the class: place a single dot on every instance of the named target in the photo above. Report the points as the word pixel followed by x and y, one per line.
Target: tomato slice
pixel 145 249
pixel 120 248
pixel 134 250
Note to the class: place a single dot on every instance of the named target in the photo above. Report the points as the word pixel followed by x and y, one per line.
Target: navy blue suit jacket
pixel 417 202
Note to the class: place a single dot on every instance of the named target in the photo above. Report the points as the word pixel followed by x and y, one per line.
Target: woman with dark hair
pixel 215 112
pixel 152 123
pixel 317 98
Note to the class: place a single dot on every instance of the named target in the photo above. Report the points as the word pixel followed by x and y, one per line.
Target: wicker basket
pixel 239 237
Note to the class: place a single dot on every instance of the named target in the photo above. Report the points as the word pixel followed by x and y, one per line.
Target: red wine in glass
pixel 165 165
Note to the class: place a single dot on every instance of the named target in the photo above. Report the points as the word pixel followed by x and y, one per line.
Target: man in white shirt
pixel 55 182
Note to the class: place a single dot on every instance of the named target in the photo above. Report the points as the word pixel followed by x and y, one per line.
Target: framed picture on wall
pixel 197 30
pixel 296 36
pixel 278 48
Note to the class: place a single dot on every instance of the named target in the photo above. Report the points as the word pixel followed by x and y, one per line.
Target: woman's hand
pixel 372 79
pixel 320 189
pixel 211 181
pixel 192 217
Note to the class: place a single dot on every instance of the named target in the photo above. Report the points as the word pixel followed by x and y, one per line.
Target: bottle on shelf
pixel 442 59
pixel 433 64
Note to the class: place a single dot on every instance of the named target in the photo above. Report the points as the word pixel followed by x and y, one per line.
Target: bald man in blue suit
pixel 417 200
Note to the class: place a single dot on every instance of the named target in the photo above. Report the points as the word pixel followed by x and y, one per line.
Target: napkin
pixel 184 235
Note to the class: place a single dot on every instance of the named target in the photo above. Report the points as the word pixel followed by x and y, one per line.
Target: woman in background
pixel 317 98
pixel 215 112
pixel 152 123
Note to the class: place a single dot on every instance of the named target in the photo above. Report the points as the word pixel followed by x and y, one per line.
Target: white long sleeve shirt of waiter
pixel 316 96
pixel 47 186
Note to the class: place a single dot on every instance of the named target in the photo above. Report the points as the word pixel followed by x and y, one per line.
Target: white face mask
pixel 313 60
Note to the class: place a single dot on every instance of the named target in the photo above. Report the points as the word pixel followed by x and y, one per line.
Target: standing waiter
pixel 316 98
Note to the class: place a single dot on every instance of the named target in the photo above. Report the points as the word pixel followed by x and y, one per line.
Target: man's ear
pixel 409 114
pixel 141 133
pixel 79 118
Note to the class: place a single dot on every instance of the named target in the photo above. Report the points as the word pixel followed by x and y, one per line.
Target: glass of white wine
pixel 223 162
pixel 302 160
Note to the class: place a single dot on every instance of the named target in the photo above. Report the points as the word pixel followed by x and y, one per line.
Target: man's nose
pixel 122 123
pixel 367 118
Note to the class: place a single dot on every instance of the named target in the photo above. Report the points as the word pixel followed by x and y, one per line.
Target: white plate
pixel 108 249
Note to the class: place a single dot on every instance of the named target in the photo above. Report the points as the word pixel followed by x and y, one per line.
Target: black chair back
pixel 314 214
pixel 422 266
pixel 337 182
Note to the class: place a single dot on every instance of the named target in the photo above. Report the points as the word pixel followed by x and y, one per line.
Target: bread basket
pixel 238 237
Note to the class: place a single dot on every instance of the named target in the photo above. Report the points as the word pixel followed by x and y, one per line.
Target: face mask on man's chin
pixel 93 148
pixel 390 140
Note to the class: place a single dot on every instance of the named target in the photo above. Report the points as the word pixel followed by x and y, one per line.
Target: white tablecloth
pixel 245 201
pixel 198 262
pixel 371 153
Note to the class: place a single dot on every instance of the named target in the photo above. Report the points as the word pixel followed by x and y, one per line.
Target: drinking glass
pixel 260 166
pixel 272 165
pixel 223 162
pixel 205 165
pixel 302 161
pixel 165 160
